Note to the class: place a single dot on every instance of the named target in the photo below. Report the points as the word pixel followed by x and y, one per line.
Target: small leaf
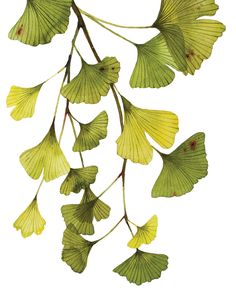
pixel 76 249
pixel 145 234
pixel 82 215
pixel 92 82
pixel 78 179
pixel 160 125
pixel 142 267
pixel 41 20
pixel 152 66
pixel 24 100
pixel 46 157
pixel 30 221
pixel 182 168
pixel 91 133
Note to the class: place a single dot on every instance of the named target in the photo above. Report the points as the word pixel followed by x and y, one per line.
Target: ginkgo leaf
pixel 142 267
pixel 78 179
pixel 76 249
pixel 160 125
pixel 82 215
pixel 152 66
pixel 30 221
pixel 189 40
pixel 24 100
pixel 182 168
pixel 92 82
pixel 46 157
pixel 91 133
pixel 145 234
pixel 41 20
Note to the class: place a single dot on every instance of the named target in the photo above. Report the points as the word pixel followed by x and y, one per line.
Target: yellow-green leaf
pixel 145 234
pixel 92 82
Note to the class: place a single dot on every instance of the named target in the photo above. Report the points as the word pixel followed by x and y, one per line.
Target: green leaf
pixel 142 267
pixel 41 20
pixel 46 157
pixel 92 82
pixel 30 221
pixel 82 215
pixel 161 126
pixel 182 168
pixel 76 249
pixel 145 234
pixel 152 66
pixel 24 100
pixel 189 39
pixel 78 179
pixel 91 133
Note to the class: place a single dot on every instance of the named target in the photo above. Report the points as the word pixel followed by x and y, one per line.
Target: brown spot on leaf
pixel 19 30
pixel 193 145
pixel 102 69
pixel 185 149
pixel 190 54
pixel 174 194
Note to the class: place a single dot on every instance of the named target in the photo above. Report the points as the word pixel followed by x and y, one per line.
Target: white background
pixel 197 231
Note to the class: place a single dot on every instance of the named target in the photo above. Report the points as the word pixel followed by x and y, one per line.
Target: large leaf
pixel 24 100
pixel 30 221
pixel 92 82
pixel 78 179
pixel 182 168
pixel 145 234
pixel 160 125
pixel 142 267
pixel 41 20
pixel 76 249
pixel 91 133
pixel 46 157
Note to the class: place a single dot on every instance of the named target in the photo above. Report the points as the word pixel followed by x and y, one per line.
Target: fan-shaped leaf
pixel 91 133
pixel 92 82
pixel 142 267
pixel 24 100
pixel 160 125
pixel 182 168
pixel 41 20
pixel 47 156
pixel 145 234
pixel 76 249
pixel 78 179
pixel 30 221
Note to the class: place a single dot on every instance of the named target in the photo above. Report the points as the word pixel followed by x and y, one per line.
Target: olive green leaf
pixel 189 39
pixel 161 126
pixel 145 234
pixel 82 215
pixel 76 249
pixel 78 179
pixel 142 267
pixel 30 221
pixel 152 66
pixel 182 168
pixel 91 133
pixel 24 100
pixel 92 82
pixel 41 20
pixel 46 157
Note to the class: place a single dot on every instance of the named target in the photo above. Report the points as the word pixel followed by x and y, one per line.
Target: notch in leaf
pixel 161 126
pixel 190 40
pixel 46 157
pixel 24 100
pixel 41 20
pixel 78 179
pixel 91 133
pixel 92 82
pixel 82 215
pixel 76 249
pixel 142 267
pixel 182 168
pixel 30 221
pixel 145 234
